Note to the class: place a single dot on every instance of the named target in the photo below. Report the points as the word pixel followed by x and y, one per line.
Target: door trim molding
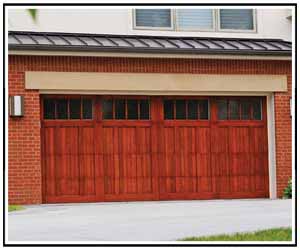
pixel 271 146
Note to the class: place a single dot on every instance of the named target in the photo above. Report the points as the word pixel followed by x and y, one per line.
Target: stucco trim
pixel 153 83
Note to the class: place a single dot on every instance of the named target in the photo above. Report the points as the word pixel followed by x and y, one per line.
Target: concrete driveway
pixel 145 221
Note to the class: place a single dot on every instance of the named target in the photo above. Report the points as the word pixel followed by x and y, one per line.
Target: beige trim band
pixel 144 55
pixel 153 83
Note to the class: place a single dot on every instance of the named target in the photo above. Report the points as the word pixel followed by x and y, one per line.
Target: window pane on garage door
pixel 144 109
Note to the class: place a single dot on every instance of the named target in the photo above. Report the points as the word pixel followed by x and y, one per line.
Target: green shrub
pixel 287 193
pixel 14 208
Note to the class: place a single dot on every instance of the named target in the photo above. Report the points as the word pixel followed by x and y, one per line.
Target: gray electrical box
pixel 16 106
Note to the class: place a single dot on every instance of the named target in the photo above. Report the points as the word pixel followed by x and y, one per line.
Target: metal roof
pixel 24 40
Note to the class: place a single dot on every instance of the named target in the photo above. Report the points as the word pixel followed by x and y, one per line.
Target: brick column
pixel 24 154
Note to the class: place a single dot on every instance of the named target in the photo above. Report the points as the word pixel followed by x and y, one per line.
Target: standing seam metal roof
pixel 25 40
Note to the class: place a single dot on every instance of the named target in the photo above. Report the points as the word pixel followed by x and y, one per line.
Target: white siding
pixel 271 23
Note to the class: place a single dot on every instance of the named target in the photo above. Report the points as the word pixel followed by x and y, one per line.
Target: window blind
pixel 195 19
pixel 239 19
pixel 153 18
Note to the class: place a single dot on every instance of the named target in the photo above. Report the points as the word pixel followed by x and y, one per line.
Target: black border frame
pixel 293 4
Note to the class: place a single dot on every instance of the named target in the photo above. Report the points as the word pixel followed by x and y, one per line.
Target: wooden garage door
pixel 153 148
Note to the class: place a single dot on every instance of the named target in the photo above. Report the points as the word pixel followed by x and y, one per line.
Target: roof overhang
pixel 50 43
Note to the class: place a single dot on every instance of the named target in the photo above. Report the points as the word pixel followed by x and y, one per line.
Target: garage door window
pixel 68 109
pixel 186 109
pixel 243 109
pixel 125 109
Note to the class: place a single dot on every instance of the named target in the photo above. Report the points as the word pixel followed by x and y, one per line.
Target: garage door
pixel 115 148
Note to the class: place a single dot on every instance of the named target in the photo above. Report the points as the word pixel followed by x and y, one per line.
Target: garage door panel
pixel 219 140
pixel 188 184
pixel 167 185
pixel 86 141
pixel 87 161
pixel 240 164
pixel 183 140
pixel 108 140
pixel 223 184
pixel 60 141
pixel 68 180
pixel 258 140
pixel 220 172
pixel 128 166
pixel 252 183
pixel 234 184
pixel 239 140
pixel 49 141
pixel 87 175
pixel 129 185
pixel 110 185
pixel 50 164
pixel 111 164
pixel 49 160
pixel 168 140
pixel 67 168
pixel 168 168
pixel 259 183
pixel 143 136
pixel 144 185
pixel 180 185
pixel 72 171
pixel 192 165
pixel 127 137
pixel 144 165
pixel 219 164
pixel 204 184
pixel 202 137
pixel 193 142
pixel 184 156
pixel 203 165
pixel 179 164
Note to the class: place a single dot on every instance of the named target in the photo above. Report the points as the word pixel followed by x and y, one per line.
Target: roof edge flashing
pixel 123 54
pixel 148 50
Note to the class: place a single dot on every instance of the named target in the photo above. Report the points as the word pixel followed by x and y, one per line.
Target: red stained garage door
pixel 116 148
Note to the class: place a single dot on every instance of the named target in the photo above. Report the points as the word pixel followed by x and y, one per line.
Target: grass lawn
pixel 275 234
pixel 15 208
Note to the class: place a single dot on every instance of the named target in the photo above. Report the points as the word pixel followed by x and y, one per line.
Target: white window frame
pixel 216 24
pixel 254 30
pixel 213 29
pixel 154 28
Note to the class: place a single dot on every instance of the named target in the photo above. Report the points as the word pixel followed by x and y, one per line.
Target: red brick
pixel 25 183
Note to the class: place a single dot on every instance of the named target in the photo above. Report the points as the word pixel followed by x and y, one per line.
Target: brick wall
pixel 24 179
pixel 24 133
pixel 283 137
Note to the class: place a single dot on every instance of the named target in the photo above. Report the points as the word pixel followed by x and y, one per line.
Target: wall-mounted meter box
pixel 16 106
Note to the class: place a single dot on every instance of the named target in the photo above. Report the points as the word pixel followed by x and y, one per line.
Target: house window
pixel 236 19
pixel 125 109
pixel 67 109
pixel 195 19
pixel 153 18
pixel 229 20
pixel 239 109
pixel 186 109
